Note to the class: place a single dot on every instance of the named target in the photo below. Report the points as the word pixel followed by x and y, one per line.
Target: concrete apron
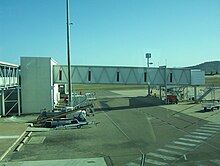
pixel 10 134
pixel 76 162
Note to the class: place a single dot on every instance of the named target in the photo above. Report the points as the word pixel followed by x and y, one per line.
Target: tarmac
pixel 67 162
pixel 129 126
pixel 10 134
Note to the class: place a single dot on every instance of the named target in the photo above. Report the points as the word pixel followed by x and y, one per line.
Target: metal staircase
pixel 206 92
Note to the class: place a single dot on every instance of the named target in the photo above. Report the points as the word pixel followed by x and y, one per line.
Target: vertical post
pixel 18 91
pixel 195 93
pixel 187 93
pixel 160 93
pixel 148 62
pixel 3 102
pixel 68 53
pixel 148 88
pixel 19 100
pixel 4 75
pixel 148 56
pixel 165 82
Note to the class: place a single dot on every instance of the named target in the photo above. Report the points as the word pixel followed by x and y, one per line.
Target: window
pixel 145 76
pixel 60 75
pixel 89 75
pixel 171 77
pixel 118 76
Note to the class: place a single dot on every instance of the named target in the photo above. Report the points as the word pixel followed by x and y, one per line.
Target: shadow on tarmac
pixel 134 102
pixel 203 111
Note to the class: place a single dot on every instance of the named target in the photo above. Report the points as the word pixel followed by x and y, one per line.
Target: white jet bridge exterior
pixel 161 76
pixel 38 91
pixel 40 77
pixel 9 88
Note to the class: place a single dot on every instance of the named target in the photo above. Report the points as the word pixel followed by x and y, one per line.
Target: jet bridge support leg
pixel 160 94
pixel 3 102
pixel 19 101
pixel 148 89
pixel 195 93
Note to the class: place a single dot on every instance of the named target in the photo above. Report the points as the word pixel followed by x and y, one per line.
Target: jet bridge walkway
pixel 9 88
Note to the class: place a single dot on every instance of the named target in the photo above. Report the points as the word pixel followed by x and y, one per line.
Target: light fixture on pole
pixel 148 56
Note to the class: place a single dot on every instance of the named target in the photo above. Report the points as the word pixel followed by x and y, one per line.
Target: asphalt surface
pixel 129 127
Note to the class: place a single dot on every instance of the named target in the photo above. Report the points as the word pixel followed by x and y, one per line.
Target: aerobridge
pixel 128 75
pixel 161 76
pixel 40 77
pixel 9 88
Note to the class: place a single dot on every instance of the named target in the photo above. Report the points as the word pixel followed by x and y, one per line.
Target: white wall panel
pixel 36 84
pixel 197 77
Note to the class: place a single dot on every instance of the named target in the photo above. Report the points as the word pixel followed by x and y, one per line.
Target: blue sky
pixel 112 32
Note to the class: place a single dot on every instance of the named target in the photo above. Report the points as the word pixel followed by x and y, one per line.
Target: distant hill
pixel 210 68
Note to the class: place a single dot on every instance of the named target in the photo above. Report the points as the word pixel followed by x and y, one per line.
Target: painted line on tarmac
pixel 212 124
pixel 177 147
pixel 204 134
pixel 155 162
pixel 184 143
pixel 9 136
pixel 190 140
pixel 120 130
pixel 117 126
pixel 170 152
pixel 132 164
pixel 161 156
pixel 206 131
pixel 210 128
pixel 10 148
pixel 197 137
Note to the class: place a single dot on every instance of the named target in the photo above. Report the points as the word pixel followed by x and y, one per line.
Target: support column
pixel 148 89
pixel 19 101
pixel 160 94
pixel 3 102
pixel 195 93
pixel 165 83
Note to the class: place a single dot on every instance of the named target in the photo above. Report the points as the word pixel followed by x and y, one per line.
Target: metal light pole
pixel 68 52
pixel 148 56
pixel 165 81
